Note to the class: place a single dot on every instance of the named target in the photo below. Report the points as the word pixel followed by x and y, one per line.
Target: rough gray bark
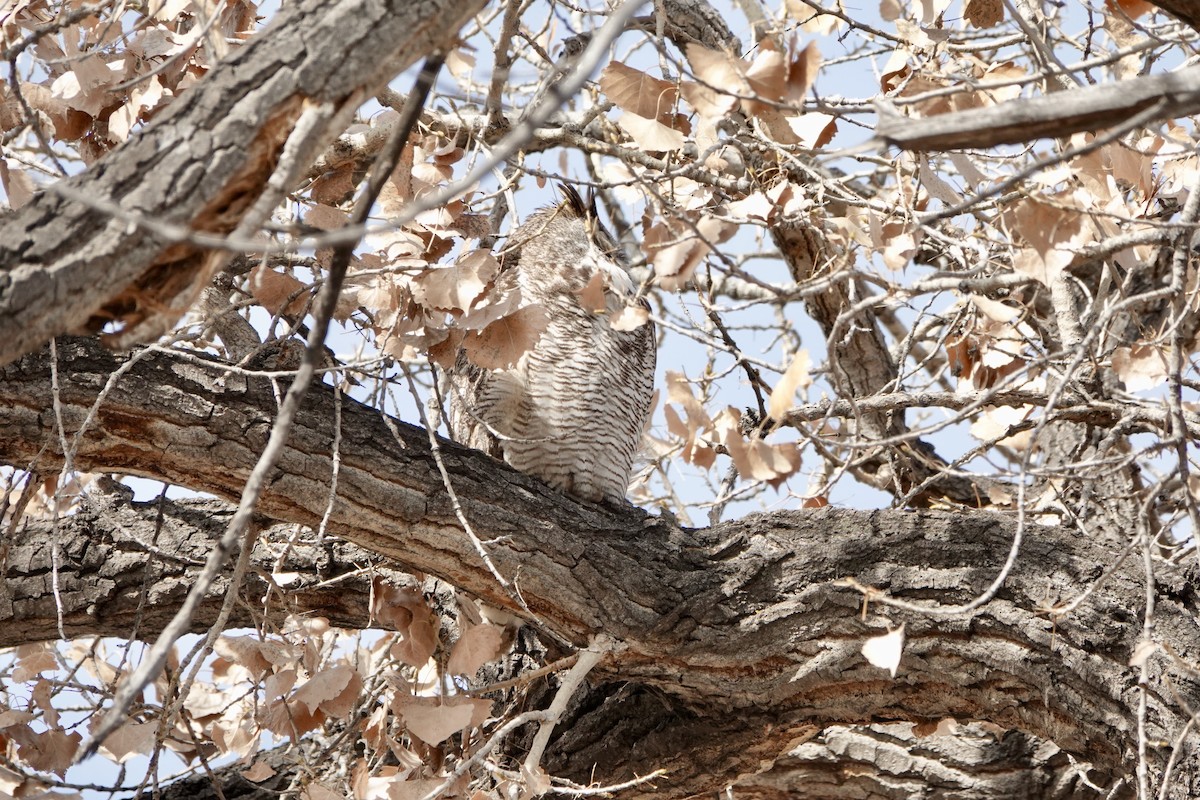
pixel 201 165
pixel 124 569
pixel 739 642
pixel 1092 108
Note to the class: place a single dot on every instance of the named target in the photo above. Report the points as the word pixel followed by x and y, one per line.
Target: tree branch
pixel 89 268
pixel 127 566
pixel 1060 114
pixel 740 640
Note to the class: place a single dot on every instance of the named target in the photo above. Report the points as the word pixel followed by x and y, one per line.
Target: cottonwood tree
pixel 933 260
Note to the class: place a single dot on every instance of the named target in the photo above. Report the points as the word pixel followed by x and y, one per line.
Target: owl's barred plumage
pixel 573 408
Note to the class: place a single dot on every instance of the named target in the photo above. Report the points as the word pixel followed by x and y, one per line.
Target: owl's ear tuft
pixel 574 205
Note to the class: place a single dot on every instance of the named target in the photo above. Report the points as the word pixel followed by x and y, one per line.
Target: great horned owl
pixel 573 408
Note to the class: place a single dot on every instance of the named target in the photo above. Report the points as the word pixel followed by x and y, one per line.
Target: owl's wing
pixel 481 402
pixel 461 388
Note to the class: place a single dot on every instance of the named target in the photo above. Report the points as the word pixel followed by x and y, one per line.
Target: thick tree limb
pixel 201 165
pixel 1060 114
pixel 740 643
pixel 126 567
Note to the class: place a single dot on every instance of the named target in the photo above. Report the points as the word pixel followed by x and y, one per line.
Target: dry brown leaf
pixel 654 136
pixel 675 249
pixel 636 92
pixel 592 297
pixel 42 698
pixel 494 305
pixel 895 241
pixel 435 719
pixel 129 740
pixel 709 103
pixel 995 421
pixel 1141 367
pixel 279 684
pixel 237 733
pixel 11 716
pixel 629 318
pixel 476 646
pixel 445 353
pixel 10 782
pixel 770 88
pixel 983 13
pixel 695 450
pixel 319 791
pixel 802 72
pixel 814 129
pixel 992 344
pixel 18 186
pixel 278 292
pixel 459 63
pixel 767 77
pixel 717 70
pixel 404 610
pixel 325 218
pixel 784 393
pixel 755 206
pixel 935 186
pixel 503 342
pixel 48 751
pixel 290 719
pixel 205 700
pixel 256 655
pixel 1054 231
pixel 456 287
pixel 754 458
pixel 31 660
pixel 333 186
pixel 259 772
pixel 333 690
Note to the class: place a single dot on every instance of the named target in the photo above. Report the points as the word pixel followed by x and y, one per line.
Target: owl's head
pixel 569 233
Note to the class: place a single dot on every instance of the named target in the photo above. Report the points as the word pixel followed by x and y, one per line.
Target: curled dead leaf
pixel 1141 367
pixel 676 246
pixel 435 719
pixel 637 93
pixel 503 342
pixel 784 393
pixel 404 610
pixel 278 292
